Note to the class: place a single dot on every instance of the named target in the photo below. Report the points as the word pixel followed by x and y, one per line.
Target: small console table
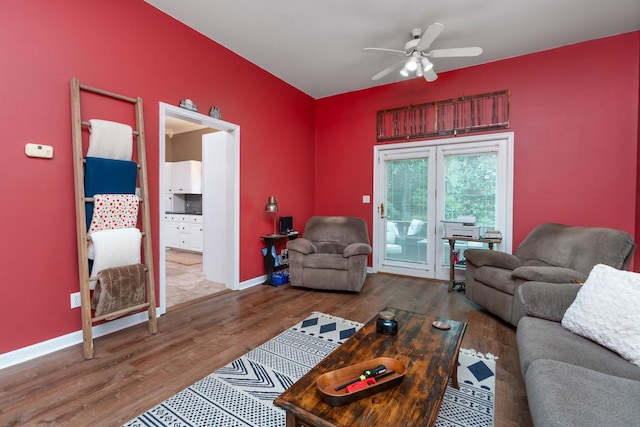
pixel 270 241
pixel 452 243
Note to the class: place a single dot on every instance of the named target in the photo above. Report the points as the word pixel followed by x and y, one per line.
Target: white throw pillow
pixel 606 310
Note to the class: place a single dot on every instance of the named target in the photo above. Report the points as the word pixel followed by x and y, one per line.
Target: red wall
pixel 574 114
pixel 131 48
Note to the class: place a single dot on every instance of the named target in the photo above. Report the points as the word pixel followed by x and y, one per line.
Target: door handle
pixel 382 211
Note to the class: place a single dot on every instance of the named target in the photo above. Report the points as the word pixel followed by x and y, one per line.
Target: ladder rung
pixel 142 233
pixel 137 164
pixel 120 312
pixel 95 279
pixel 88 125
pixel 92 199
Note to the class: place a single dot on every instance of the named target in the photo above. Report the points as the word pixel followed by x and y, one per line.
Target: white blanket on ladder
pixel 110 140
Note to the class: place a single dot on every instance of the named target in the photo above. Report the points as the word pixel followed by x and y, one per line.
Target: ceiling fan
pixel 418 55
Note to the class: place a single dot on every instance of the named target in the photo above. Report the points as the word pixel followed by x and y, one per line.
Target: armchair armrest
pixel 302 245
pixel 547 300
pixel 481 257
pixel 548 274
pixel 356 249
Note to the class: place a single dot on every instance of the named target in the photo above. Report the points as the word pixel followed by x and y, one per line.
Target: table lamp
pixel 272 206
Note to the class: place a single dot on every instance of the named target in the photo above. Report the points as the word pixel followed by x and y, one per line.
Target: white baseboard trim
pixel 252 282
pixel 45 347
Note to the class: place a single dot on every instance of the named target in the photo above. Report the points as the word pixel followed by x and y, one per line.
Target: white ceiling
pixel 316 46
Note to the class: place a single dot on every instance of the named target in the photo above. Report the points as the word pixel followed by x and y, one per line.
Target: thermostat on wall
pixel 39 150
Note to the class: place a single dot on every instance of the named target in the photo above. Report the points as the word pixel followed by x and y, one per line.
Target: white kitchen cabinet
pixel 186 177
pixel 173 203
pixel 173 231
pixel 185 241
pixel 196 237
pixel 184 232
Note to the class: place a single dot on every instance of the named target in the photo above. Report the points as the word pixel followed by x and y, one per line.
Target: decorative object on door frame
pixel 476 113
pixel 188 104
pixel 215 113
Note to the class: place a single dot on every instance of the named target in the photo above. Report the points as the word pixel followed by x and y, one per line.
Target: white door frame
pixel 230 243
pixel 425 268
pixel 507 138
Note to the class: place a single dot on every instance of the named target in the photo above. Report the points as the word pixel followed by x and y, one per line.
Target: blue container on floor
pixel 279 278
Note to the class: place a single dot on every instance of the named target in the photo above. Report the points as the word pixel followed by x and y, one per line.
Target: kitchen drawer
pixel 172 217
pixel 195 219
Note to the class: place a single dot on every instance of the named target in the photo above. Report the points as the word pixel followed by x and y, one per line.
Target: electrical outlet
pixel 75 299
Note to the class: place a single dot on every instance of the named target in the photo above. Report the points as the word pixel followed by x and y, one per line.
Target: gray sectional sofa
pixel 571 380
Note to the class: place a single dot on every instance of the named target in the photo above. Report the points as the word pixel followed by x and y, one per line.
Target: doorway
pixel 418 185
pixel 219 206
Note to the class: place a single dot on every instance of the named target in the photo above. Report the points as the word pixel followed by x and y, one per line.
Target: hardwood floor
pixel 132 370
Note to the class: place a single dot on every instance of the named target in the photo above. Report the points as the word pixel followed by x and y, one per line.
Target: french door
pixel 406 211
pixel 420 184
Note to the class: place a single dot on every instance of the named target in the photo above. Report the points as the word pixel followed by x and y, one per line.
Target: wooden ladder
pixel 77 126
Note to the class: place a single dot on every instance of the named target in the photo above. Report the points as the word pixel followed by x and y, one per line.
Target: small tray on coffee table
pixel 328 382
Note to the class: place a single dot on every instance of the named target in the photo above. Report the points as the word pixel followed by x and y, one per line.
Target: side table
pixel 270 241
pixel 452 243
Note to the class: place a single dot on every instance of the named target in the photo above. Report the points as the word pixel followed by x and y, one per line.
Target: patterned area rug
pixel 241 394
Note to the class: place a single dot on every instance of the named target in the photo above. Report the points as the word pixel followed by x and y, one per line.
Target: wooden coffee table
pixel 429 354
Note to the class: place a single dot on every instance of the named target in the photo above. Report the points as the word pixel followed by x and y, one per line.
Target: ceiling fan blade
pixel 430 75
pixel 429 36
pixel 381 49
pixel 457 51
pixel 387 70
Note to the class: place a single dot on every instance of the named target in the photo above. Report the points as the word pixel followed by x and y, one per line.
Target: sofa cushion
pixel 549 274
pixel 482 257
pixel 545 339
pixel 562 394
pixel 496 278
pixel 330 247
pixel 325 261
pixel 606 311
pixel 577 248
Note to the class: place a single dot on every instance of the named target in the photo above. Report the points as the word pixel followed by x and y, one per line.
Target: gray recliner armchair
pixel 552 253
pixel 331 254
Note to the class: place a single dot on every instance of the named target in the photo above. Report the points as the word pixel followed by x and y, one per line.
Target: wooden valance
pixel 475 113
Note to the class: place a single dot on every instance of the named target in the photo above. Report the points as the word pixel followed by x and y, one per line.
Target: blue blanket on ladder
pixel 107 176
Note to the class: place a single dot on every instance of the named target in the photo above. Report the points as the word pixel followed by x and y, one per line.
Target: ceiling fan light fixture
pixel 417 53
pixel 412 64
pixel 426 65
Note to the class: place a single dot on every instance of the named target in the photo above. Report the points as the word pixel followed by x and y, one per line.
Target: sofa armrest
pixel 302 245
pixel 356 249
pixel 547 300
pixel 548 274
pixel 482 257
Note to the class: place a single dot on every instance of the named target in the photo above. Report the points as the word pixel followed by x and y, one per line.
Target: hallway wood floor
pixel 132 370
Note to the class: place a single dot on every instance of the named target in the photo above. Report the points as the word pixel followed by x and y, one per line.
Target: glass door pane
pixel 407 194
pixel 470 188
pixel 406 210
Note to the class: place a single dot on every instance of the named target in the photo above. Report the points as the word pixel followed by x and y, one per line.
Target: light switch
pixel 366 199
pixel 39 150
